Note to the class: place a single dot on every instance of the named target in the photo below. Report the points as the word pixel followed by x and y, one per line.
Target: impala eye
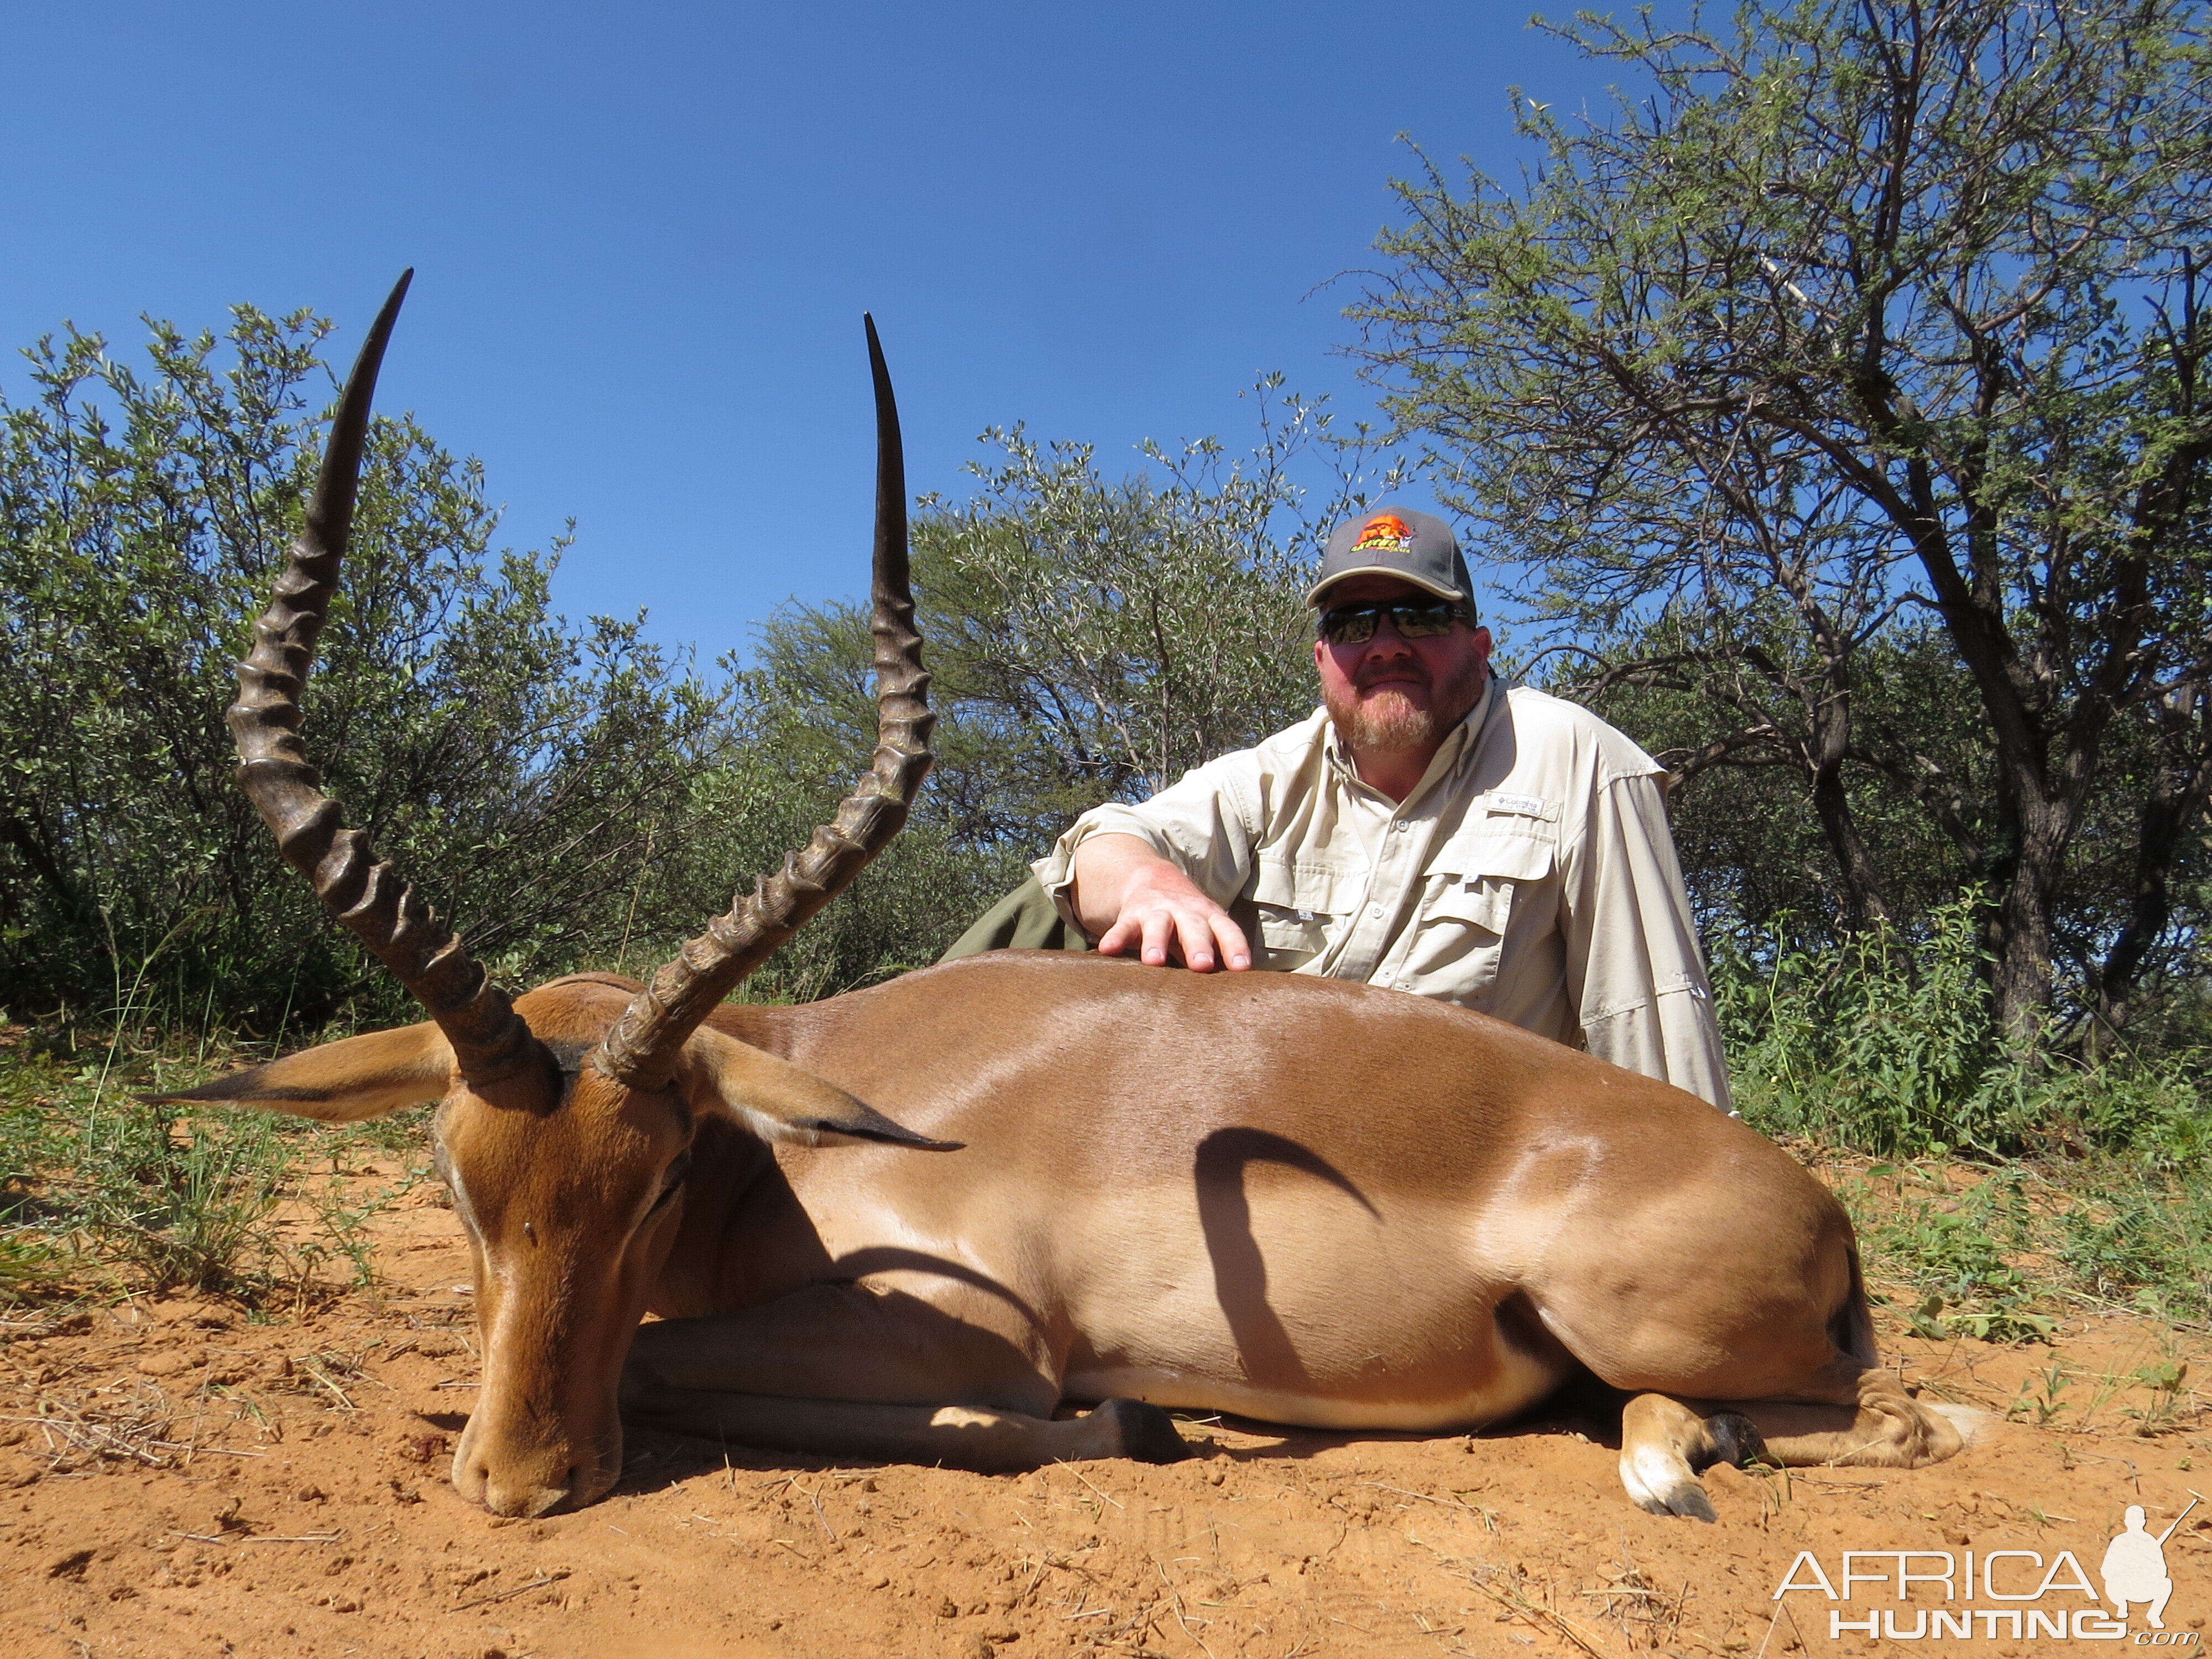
pixel 672 1184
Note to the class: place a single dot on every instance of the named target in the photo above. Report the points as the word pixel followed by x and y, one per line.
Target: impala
pixel 908 1223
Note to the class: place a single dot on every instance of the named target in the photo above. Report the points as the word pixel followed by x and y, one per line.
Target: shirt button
pixel 1375 912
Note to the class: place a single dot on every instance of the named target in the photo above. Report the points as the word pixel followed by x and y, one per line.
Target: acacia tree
pixel 1863 315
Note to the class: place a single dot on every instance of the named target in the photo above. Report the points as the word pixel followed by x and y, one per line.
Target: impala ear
pixel 340 1082
pixel 778 1101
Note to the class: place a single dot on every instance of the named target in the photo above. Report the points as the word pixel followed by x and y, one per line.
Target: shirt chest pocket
pixel 1291 910
pixel 1472 893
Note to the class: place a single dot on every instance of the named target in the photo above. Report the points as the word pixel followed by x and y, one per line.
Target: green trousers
pixel 1024 920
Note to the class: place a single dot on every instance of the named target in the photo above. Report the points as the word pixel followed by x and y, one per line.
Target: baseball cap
pixel 1395 541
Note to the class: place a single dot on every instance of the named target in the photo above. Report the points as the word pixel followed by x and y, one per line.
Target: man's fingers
pixel 1236 949
pixel 1159 930
pixel 1195 935
pixel 1195 932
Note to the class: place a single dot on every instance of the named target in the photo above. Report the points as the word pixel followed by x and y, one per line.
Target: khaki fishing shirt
pixel 1529 876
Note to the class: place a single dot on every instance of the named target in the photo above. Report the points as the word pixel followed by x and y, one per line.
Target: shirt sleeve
pixel 1634 971
pixel 1206 825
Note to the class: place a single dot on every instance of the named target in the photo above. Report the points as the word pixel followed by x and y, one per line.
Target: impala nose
pixel 521 1488
pixel 527 1498
pixel 523 1483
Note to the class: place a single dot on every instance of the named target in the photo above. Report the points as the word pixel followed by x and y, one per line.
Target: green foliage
pixel 1089 640
pixel 513 766
pixel 1872 1044
pixel 1963 1250
pixel 1996 1253
pixel 2090 1181
pixel 1887 1043
pixel 1839 393
pixel 2144 1244
pixel 179 1210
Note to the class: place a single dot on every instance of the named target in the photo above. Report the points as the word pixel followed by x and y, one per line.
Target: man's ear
pixel 341 1082
pixel 778 1101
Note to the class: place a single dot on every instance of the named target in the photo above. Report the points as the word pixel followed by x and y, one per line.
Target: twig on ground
pixel 538 1583
pixel 1543 1619
pixel 1175 1605
pixel 1488 1520
pixel 1086 1480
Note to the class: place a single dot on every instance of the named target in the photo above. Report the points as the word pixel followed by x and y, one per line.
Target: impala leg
pixel 950 1436
pixel 1884 1428
pixel 851 1342
pixel 1666 1441
pixel 847 1370
pixel 1663 1444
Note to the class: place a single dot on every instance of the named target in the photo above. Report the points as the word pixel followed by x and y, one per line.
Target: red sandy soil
pixel 178 1480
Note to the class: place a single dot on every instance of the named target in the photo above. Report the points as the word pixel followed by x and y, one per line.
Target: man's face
pixel 1389 694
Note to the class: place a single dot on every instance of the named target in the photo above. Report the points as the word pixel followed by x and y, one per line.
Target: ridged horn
pixel 375 905
pixel 640 1050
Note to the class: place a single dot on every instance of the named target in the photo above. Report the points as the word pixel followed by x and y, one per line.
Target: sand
pixel 178 1477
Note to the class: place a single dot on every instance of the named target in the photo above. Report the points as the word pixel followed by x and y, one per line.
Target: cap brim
pixel 1313 596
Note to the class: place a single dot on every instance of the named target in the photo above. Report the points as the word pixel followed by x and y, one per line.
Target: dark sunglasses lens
pixel 1355 624
pixel 1349 624
pixel 1422 622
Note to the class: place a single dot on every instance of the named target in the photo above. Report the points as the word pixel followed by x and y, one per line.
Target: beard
pixel 1387 721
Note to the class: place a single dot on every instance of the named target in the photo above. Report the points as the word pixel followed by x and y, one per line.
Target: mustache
pixel 1367 678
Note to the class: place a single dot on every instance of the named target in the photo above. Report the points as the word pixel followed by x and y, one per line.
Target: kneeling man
pixel 1432 828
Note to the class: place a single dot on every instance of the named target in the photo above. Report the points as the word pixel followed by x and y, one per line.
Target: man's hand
pixel 1130 897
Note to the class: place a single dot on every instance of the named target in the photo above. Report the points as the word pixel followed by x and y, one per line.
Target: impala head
pixel 566 1116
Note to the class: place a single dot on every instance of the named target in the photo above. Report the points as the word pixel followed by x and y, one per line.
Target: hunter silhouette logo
pixel 2023 1597
pixel 1386 533
pixel 2133 1568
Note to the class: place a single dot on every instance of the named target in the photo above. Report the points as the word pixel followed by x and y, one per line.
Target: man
pixel 1432 828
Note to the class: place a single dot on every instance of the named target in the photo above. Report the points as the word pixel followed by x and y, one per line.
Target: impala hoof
pixel 1146 1433
pixel 1661 1483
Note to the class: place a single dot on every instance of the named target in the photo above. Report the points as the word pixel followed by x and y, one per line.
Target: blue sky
pixel 644 235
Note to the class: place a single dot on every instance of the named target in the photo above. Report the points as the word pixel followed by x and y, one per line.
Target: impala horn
pixel 640 1051
pixel 489 1039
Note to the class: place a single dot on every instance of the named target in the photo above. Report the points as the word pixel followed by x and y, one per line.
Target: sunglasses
pixel 1355 624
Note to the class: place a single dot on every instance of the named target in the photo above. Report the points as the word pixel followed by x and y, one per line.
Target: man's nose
pixel 1387 641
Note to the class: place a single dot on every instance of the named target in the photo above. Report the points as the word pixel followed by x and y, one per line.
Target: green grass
pixel 102 1193
pixel 2001 1187
pixel 2000 1251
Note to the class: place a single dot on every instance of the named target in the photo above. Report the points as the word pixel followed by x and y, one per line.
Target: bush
pixel 1887 1043
pixel 515 767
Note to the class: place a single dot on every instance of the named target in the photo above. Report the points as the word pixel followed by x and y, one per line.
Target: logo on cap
pixel 1386 533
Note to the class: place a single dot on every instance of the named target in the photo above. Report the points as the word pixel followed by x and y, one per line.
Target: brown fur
pixel 1292 1198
